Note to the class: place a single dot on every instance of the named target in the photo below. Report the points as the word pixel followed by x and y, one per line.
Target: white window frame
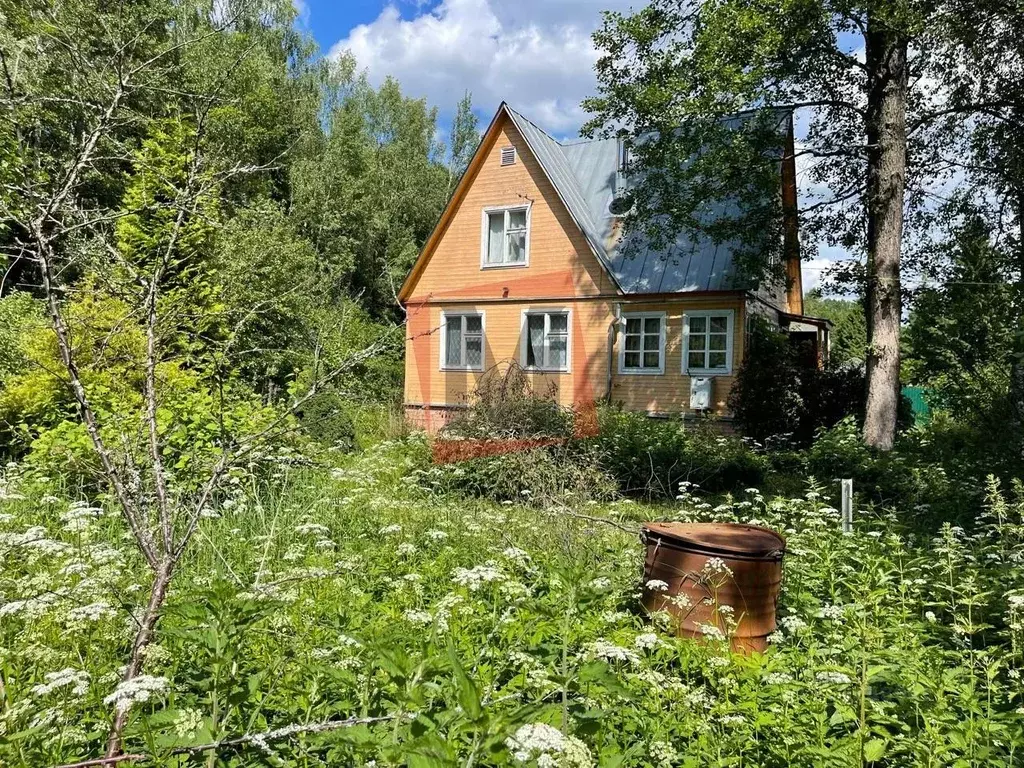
pixel 462 313
pixel 524 338
pixel 730 314
pixel 642 317
pixel 484 215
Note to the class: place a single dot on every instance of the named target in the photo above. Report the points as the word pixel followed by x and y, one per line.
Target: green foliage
pixel 20 314
pixel 39 415
pixel 325 419
pixel 371 189
pixel 315 596
pixel 907 477
pixel 542 476
pixel 961 335
pixel 651 458
pixel 779 399
pixel 765 398
pixel 848 337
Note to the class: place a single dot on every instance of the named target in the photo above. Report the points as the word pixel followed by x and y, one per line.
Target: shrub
pixel 765 399
pixel 504 405
pixel 779 396
pixel 650 457
pixel 326 421
pixel 902 477
pixel 541 476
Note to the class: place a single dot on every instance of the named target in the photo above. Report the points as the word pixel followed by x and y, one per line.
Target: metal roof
pixel 584 175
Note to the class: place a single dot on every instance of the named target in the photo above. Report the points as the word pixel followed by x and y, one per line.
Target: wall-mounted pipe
pixel 613 331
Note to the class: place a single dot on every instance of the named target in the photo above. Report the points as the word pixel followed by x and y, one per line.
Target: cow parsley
pixel 549 747
pixel 74 679
pixel 137 690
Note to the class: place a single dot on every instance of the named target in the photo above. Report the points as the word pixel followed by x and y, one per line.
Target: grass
pixel 315 597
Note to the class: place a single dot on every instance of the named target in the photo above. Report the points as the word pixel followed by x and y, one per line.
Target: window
pixel 707 342
pixel 545 341
pixel 506 237
pixel 643 343
pixel 508 155
pixel 462 340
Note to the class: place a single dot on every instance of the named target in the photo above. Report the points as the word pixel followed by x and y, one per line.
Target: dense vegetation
pixel 446 628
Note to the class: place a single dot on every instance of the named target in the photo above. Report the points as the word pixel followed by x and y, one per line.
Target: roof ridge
pixel 531 122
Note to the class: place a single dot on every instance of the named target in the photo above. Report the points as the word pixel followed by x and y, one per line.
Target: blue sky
pixel 535 54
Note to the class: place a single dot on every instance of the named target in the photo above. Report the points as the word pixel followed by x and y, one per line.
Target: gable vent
pixel 508 155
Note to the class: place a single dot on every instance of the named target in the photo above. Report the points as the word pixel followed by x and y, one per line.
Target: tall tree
pixel 983 64
pixel 462 144
pixel 863 72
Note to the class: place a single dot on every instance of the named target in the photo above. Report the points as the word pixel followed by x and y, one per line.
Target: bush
pixel 765 399
pixel 903 477
pixel 504 405
pixel 541 476
pixel 780 397
pixel 326 421
pixel 651 457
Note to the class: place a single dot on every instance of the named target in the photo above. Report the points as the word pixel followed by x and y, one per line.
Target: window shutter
pixel 508 155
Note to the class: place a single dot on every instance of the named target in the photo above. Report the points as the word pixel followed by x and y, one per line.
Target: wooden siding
pixel 587 379
pixel 669 392
pixel 561 262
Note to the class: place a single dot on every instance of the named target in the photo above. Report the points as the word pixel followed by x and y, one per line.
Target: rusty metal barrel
pixel 715 575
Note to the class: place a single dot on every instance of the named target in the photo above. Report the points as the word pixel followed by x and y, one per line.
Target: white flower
pixel 75 679
pixel 793 624
pixel 436 535
pixel 657 585
pixel 611 652
pixel 139 689
pixel 393 528
pixel 663 753
pixel 602 582
pixel 406 548
pixel 776 637
pixel 476 577
pixel 646 641
pixel 188 722
pixel 715 566
pixel 778 678
pixel 549 747
pixel 313 528
pixel 711 631
pixel 831 612
pixel 930 616
pixel 835 678
pixel 92 612
pixel 418 617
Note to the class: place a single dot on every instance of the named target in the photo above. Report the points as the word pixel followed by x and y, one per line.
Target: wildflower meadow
pixel 362 614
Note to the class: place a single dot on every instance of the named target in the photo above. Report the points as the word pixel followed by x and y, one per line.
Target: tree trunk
pixel 1017 350
pixel 143 637
pixel 886 57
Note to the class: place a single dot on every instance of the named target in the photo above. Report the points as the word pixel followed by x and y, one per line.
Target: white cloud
pixel 535 54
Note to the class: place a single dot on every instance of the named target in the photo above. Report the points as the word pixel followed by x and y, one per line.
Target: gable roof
pixel 583 174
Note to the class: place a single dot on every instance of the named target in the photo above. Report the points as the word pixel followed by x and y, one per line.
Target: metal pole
pixel 847 505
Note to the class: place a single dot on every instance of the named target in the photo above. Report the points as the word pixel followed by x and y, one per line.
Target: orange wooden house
pixel 525 265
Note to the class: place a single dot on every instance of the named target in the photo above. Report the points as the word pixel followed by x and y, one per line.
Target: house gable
pixel 561 262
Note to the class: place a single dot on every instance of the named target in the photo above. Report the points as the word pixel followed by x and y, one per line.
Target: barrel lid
pixel 721 538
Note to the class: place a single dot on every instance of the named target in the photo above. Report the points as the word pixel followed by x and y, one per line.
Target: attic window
pixel 508 155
